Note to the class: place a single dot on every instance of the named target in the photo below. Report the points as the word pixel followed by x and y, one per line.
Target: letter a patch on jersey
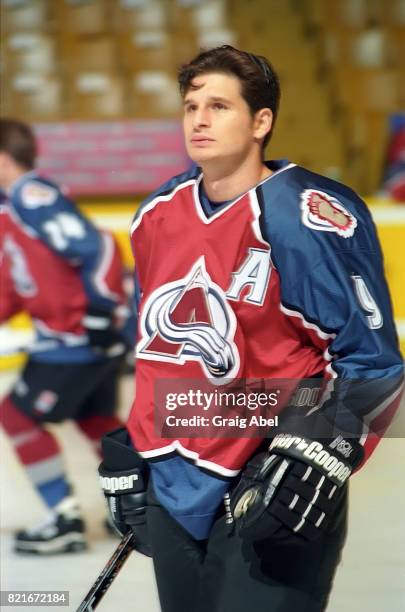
pixel 189 319
pixel 323 212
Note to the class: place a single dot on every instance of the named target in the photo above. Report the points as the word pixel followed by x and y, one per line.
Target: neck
pixel 225 183
pixel 12 177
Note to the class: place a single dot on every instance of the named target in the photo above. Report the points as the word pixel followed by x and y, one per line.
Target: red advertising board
pixel 111 158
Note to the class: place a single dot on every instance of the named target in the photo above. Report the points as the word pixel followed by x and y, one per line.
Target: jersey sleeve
pixel 58 223
pixel 336 285
pixel 346 297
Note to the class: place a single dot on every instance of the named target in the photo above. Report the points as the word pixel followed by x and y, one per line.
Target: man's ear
pixel 263 120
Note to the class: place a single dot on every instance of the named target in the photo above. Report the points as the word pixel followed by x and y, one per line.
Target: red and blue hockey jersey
pixel 283 282
pixel 55 264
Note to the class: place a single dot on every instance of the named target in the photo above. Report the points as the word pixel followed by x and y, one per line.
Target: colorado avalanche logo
pixel 325 213
pixel 189 319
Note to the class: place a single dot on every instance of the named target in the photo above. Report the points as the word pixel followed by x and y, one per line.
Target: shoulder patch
pixel 323 212
pixel 35 194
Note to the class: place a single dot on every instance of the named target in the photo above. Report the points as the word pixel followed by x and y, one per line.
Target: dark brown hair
pixel 18 140
pixel 260 86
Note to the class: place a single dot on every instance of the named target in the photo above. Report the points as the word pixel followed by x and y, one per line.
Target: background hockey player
pixel 57 266
pixel 255 270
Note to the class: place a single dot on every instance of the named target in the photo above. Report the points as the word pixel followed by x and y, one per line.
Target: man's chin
pixel 202 157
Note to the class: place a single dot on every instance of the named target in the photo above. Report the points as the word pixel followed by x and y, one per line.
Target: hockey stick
pixel 108 574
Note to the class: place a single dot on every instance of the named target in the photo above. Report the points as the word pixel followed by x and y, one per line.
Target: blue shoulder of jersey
pixel 313 216
pixel 38 201
pixel 31 198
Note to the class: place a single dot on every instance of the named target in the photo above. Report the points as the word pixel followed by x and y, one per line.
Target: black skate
pixel 61 533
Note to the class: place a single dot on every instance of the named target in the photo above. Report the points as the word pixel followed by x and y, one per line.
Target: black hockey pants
pixel 226 574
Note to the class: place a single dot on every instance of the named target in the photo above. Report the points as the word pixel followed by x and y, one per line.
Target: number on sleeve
pixel 62 227
pixel 368 304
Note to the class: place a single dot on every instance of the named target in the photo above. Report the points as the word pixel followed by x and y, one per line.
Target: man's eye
pixel 219 105
pixel 190 109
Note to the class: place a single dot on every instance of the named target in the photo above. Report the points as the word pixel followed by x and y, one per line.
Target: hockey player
pixel 68 276
pixel 252 270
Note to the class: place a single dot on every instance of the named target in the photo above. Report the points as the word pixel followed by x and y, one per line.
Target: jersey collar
pixel 207 216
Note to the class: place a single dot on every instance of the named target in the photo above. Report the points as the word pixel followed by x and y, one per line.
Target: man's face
pixel 218 125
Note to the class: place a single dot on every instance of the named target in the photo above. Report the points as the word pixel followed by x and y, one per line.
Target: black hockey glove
pixel 123 476
pixel 102 332
pixel 294 488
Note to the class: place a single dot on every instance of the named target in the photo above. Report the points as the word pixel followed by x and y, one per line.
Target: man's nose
pixel 201 117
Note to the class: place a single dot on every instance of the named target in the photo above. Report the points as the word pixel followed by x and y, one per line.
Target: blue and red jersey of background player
pixel 55 265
